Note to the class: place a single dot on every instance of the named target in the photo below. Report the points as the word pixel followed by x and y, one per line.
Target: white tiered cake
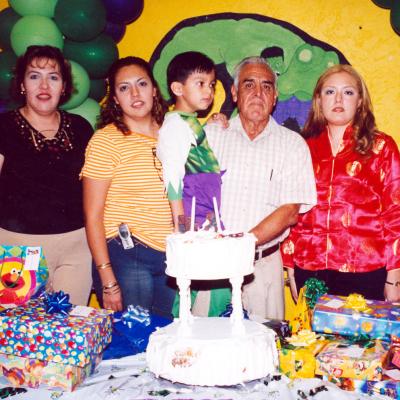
pixel 211 351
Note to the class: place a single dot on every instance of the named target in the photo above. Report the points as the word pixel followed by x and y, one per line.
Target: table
pixel 121 377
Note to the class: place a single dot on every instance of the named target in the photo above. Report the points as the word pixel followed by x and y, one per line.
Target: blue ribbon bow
pixel 57 303
pixel 136 314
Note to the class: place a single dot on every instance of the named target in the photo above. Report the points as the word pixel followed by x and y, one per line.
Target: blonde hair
pixel 364 126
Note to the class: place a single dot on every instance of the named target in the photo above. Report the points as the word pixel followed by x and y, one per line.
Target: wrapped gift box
pixel 396 358
pixel 76 340
pixel 386 387
pixel 379 319
pixel 298 361
pixel 394 352
pixel 21 371
pixel 346 359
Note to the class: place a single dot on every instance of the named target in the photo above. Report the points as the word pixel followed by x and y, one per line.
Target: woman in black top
pixel 41 154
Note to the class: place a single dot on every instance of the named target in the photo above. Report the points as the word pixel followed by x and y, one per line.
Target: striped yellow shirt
pixel 136 195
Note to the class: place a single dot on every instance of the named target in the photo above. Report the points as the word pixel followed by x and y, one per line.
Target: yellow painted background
pixel 358 28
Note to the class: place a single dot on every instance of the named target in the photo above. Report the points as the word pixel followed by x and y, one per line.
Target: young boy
pixel 190 168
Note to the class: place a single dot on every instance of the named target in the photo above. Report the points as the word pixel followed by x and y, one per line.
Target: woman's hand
pixel 292 284
pixel 218 118
pixel 392 286
pixel 113 300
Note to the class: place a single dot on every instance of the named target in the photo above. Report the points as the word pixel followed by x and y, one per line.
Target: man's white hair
pixel 251 60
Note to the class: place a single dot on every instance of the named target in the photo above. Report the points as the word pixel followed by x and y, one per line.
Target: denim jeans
pixel 140 272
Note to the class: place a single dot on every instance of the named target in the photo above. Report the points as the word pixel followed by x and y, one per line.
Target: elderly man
pixel 268 180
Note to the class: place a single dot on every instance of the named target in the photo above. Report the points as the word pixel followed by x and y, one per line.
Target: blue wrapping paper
pixel 380 319
pixel 127 340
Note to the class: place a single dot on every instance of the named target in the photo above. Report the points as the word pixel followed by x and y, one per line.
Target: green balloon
pixel 7 64
pixel 81 86
pixel 98 89
pixel 89 109
pixel 34 7
pixel 80 20
pixel 395 17
pixel 96 55
pixel 8 18
pixel 35 30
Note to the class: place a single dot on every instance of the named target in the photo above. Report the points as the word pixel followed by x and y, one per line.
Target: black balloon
pixel 80 20
pixel 98 89
pixel 3 106
pixel 116 31
pixel 123 11
pixel 7 63
pixel 395 17
pixel 384 3
pixel 96 55
pixel 8 17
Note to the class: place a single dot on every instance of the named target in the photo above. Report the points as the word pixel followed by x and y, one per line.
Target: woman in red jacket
pixel 351 238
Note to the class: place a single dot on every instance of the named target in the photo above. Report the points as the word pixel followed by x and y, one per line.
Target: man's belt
pixel 266 252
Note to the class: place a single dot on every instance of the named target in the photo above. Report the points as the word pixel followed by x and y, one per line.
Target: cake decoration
pixel 213 351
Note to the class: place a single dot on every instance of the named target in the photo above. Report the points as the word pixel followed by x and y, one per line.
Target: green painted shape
pixel 304 70
pixel 229 41
pixel 172 194
pixel 226 41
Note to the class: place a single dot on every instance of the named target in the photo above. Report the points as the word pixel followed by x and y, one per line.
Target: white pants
pixel 68 259
pixel 264 296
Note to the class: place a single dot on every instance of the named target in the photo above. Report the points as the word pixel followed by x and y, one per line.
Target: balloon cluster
pixel 394 7
pixel 86 31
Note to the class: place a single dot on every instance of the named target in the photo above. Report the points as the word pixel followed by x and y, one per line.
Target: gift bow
pixel 304 338
pixel 314 289
pixel 57 303
pixel 136 314
pixel 356 302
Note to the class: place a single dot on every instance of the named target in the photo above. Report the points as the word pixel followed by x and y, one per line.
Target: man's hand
pixel 218 118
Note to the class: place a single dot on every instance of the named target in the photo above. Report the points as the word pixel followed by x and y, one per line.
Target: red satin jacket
pixel 355 226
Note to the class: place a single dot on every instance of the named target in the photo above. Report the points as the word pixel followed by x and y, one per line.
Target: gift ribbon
pixel 356 302
pixel 57 303
pixel 136 314
pixel 304 338
pixel 315 288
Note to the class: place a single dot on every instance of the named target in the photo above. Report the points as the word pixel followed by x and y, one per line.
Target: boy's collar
pixel 187 114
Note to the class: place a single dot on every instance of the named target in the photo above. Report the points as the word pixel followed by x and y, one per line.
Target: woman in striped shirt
pixel 123 189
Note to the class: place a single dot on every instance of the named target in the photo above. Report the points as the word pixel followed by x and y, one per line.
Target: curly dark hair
pixel 111 112
pixel 43 54
pixel 364 121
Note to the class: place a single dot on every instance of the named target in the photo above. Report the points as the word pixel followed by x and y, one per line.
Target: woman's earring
pixel 23 92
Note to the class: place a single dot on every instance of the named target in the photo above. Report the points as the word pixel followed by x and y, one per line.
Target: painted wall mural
pixel 296 57
pixel 295 35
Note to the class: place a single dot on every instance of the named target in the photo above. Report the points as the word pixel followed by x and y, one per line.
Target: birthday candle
pixel 192 213
pixel 217 215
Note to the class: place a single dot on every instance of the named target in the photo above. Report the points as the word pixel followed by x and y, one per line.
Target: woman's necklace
pixel 55 144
